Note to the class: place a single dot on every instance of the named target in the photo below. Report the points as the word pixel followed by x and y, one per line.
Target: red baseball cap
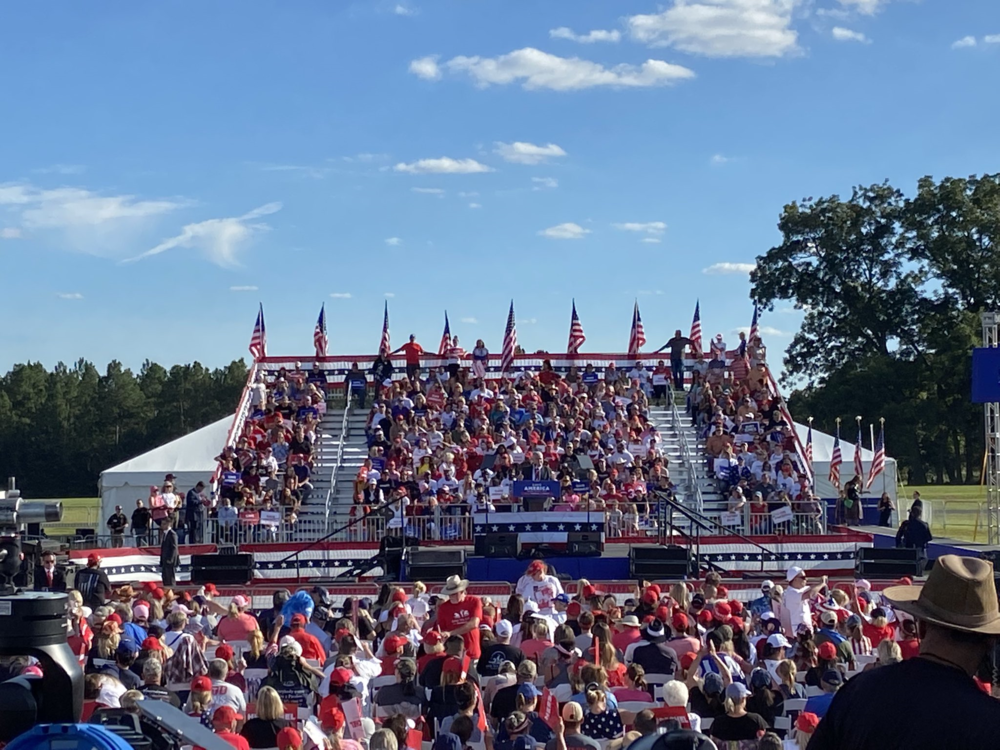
pixel 723 611
pixel 807 722
pixel 655 588
pixel 224 651
pixel 663 613
pixel 573 609
pixel 736 606
pixel 589 591
pixel 452 665
pixel 340 676
pixel 722 592
pixel 399 596
pixel 289 738
pixel 94 559
pixel 736 623
pixel 201 684
pixel 649 597
pixel 393 644
pixel 298 619
pixel 842 615
pixel 537 566
pixel 688 659
pixel 225 715
pixel 680 622
pixel 210 589
pixel 152 644
pixel 331 716
pixel 432 638
pixel 827 651
pixel 705 617
pixel 114 617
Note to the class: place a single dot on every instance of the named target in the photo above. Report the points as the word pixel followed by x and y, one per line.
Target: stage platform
pixel 885 537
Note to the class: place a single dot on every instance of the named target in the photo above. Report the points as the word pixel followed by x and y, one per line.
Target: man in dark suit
pixel 536 470
pixel 170 556
pixel 47 576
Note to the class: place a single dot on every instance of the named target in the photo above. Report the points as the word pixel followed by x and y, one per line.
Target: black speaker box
pixel 653 563
pixel 536 504
pixel 583 544
pixel 222 569
pixel 497 545
pixel 887 563
pixel 886 554
pixel 434 564
pixel 390 551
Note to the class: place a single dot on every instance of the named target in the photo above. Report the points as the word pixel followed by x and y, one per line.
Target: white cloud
pixel 729 268
pixel 69 295
pixel 243 289
pixel 444 165
pixel 316 173
pixel 764 331
pixel 721 28
pixel 718 160
pixel 597 35
pixel 475 205
pixel 220 240
pixel 545 183
pixel 403 10
pixel 846 35
pixel 468 193
pixel 393 241
pixel 651 240
pixel 965 41
pixel 864 7
pixel 87 221
pixel 390 294
pixel 470 321
pixel 340 295
pixel 991 39
pixel 535 69
pixel 426 68
pixel 10 233
pixel 527 321
pixel 649 227
pixel 64 169
pixel 429 191
pixel 567 231
pixel 364 158
pixel 527 153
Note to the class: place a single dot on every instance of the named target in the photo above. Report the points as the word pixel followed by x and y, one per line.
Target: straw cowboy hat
pixel 959 594
pixel 454 585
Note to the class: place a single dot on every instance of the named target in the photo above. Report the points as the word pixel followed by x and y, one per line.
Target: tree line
pixel 60 428
pixel 892 287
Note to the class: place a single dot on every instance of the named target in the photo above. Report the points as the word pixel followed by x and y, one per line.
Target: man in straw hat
pixel 929 702
pixel 460 615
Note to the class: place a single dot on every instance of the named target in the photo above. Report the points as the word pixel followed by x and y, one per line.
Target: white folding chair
pixel 812 692
pixel 793 705
pixel 865 660
pixel 706 724
pixel 658 679
pixel 784 723
pixel 636 706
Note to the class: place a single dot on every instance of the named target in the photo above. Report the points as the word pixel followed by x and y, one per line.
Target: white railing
pixel 344 428
pixel 686 458
pixel 239 418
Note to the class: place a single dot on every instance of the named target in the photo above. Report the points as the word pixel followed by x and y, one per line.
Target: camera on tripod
pixel 15 514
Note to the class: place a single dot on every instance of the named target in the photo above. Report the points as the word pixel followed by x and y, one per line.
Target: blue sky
pixel 164 167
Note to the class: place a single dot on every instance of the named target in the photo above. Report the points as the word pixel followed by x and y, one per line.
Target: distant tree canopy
pixel 60 429
pixel 892 288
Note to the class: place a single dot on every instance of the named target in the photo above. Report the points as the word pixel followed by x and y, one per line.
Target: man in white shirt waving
pixel 537 586
pixel 797 595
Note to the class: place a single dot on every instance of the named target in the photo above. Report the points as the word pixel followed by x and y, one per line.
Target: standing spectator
pixel 93 583
pixel 170 556
pixel 262 730
pixel 412 351
pixel 356 385
pixel 885 509
pixel 194 513
pixel 538 586
pixel 914 533
pixel 676 346
pixel 140 523
pixel 797 596
pixel 958 622
pixel 47 576
pixel 460 615
pixel 117 523
pixel 480 356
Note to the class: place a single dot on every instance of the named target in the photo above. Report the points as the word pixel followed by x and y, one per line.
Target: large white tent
pixel 822 452
pixel 190 458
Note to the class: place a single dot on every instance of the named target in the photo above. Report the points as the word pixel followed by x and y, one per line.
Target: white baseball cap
pixel 503 629
pixel 766 585
pixel 777 640
pixel 794 572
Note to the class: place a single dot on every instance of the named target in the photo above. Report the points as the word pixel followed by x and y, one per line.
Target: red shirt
pixel 235 740
pixel 909 647
pixel 453 616
pixel 311 647
pixel 412 350
pixel 622 640
pixel 877 635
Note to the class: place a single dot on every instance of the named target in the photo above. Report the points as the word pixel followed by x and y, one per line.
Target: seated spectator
pixel 830 684
pixel 737 724
pixel 262 730
pixel 601 722
pixel 467 701
pixel 572 721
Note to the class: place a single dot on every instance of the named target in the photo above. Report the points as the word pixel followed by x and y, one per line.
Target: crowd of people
pixel 750 445
pixel 448 443
pixel 547 667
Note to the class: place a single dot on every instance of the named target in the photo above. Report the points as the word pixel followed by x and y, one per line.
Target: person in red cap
pixel 93 583
pixel 538 586
pixel 680 639
pixel 433 647
pixel 289 739
pixel 311 647
pixel 224 722
pixel 233 677
pixel 392 647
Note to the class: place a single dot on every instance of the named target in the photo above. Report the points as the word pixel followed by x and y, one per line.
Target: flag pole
pixel 885 462
pixel 809 468
pixel 860 459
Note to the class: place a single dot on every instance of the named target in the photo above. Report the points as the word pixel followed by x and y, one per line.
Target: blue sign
pixel 580 486
pixel 985 375
pixel 536 489
pixel 378 463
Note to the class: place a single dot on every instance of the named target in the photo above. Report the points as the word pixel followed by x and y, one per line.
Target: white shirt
pixel 540 592
pixel 797 606
pixel 224 694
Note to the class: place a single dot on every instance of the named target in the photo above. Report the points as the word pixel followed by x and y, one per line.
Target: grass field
pixel 956 511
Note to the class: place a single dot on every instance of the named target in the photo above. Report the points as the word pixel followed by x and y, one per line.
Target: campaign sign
pixel 536 489
pixel 580 486
pixel 782 515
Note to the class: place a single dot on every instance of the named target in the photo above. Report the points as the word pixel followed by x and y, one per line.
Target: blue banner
pixel 580 486
pixel 985 375
pixel 536 489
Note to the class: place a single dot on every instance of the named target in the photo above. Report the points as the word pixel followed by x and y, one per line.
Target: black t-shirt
pixel 916 704
pixel 497 654
pixel 260 733
pixel 699 705
pixel 746 727
pixel 504 702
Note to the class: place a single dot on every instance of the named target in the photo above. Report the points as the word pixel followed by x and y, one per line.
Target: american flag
pixel 576 337
pixel 836 459
pixel 809 448
pixel 878 462
pixel 384 347
pixel 509 342
pixel 696 328
pixel 637 337
pixel 320 340
pixel 258 339
pixel 859 468
pixel 445 344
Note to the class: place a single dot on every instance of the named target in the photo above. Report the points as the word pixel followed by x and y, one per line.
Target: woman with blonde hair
pixel 788 686
pixel 601 722
pixel 262 730
pixel 105 642
pixel 888 652
pixel 238 624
